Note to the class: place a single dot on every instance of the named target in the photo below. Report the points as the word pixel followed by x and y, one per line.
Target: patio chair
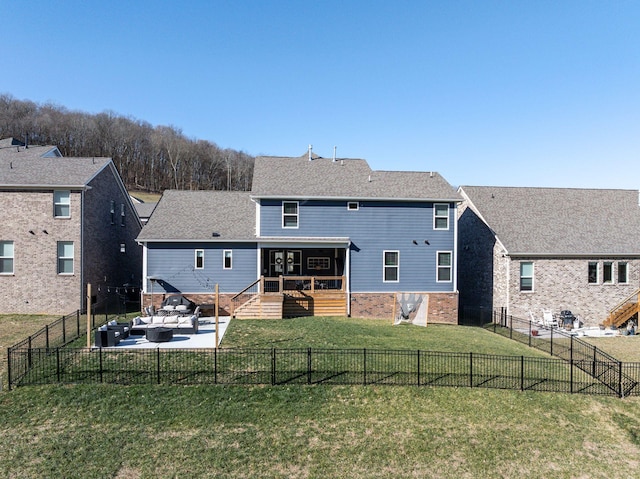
pixel 548 319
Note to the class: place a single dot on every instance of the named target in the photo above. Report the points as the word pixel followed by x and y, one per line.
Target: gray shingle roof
pixel 279 177
pixel 25 167
pixel 561 221
pixel 196 215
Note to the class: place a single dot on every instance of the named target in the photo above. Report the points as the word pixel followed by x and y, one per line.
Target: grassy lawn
pixel 320 332
pixel 15 328
pixel 320 431
pixel 623 348
pixel 314 432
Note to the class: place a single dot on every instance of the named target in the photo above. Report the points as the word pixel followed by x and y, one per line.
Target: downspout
pixel 347 274
pixel 144 268
pixel 82 226
pixel 455 248
pixel 507 258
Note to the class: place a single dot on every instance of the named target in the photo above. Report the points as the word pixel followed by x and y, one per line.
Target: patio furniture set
pixel 174 316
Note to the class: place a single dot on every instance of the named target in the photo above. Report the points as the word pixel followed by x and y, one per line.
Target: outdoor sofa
pixel 181 324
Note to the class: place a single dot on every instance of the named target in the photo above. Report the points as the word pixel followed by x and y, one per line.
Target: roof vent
pixel 369 178
pixel 310 152
pixel 334 153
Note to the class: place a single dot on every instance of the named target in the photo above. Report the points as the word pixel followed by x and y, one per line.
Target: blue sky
pixel 514 93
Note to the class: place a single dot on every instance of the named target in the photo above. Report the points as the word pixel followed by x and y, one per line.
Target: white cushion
pixel 186 319
pixel 181 307
pixel 171 319
pixel 157 319
pixel 169 307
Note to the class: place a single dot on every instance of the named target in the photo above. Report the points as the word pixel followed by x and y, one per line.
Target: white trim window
pixel 391 266
pixel 353 205
pixel 441 216
pixel 623 272
pixel 290 214
pixel 593 271
pixel 526 276
pixel 227 259
pixel 199 259
pixel 6 257
pixel 62 204
pixel 444 267
pixel 65 257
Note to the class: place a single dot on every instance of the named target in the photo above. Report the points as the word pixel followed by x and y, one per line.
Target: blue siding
pixel 174 265
pixel 377 226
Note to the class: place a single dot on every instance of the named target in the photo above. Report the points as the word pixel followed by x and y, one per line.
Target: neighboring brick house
pixel 523 250
pixel 314 236
pixel 66 222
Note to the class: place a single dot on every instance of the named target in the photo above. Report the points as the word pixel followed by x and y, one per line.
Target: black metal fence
pixel 60 333
pixel 300 366
pixel 621 378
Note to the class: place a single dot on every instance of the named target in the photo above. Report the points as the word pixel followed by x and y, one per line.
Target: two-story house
pixel 66 222
pixel 314 236
pixel 525 250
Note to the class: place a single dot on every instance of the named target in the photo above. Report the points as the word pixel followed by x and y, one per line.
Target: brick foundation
pixel 443 307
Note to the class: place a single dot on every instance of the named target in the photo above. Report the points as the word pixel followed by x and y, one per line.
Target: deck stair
pixel 624 311
pixel 276 298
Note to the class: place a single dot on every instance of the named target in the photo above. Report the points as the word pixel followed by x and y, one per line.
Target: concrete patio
pixel 204 339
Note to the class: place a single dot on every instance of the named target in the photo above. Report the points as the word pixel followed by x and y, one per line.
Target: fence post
pixel 529 333
pixel 571 374
pixel 364 365
pixel 470 370
pixel 273 366
pixel 64 329
pixel 308 365
pixel 58 363
pixel 215 366
pixel 9 368
pixel 158 363
pixel 521 373
pixel 100 355
pixel 620 391
pixel 29 358
pixel 551 347
pixel 593 373
pixel 418 355
pixel 46 336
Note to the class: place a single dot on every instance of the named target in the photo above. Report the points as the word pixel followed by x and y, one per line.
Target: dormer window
pixel 289 214
pixel 62 204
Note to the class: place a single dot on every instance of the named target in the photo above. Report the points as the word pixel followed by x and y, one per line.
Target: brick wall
pixel 105 264
pixel 443 307
pixel 562 283
pixel 36 287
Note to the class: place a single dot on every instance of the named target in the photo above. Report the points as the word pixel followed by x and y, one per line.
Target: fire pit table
pixel 159 335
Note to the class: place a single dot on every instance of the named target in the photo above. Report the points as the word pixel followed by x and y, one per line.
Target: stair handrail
pixel 246 289
pixel 628 299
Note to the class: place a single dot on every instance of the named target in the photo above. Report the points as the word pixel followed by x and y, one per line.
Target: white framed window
pixel 62 204
pixel 199 259
pixel 593 272
pixel 441 216
pixel 315 262
pixel 623 272
pixel 227 259
pixel 353 206
pixel 607 272
pixel 444 273
pixel 391 266
pixel 526 276
pixel 6 257
pixel 65 257
pixel 290 214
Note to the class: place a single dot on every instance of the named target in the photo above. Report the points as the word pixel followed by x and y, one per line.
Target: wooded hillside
pixel 148 158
